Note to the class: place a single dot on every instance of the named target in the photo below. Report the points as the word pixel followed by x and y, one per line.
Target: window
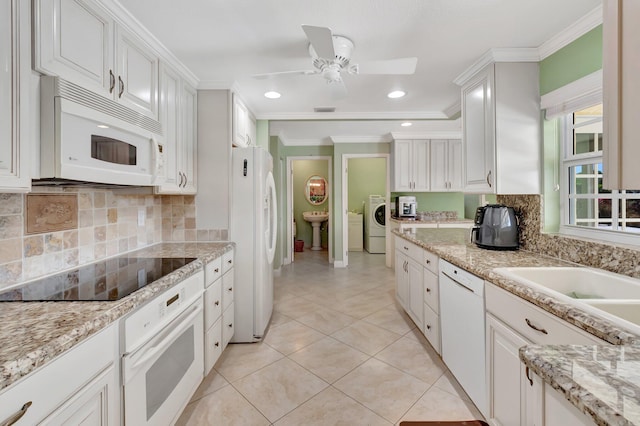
pixel 589 206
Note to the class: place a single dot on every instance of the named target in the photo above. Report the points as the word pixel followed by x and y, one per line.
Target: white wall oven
pixel 162 363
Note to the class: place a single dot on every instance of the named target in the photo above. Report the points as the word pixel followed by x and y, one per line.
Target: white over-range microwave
pixel 85 137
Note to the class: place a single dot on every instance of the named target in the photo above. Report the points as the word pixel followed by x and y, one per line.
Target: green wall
pixel 435 201
pixel 302 170
pixel 576 60
pixel 262 134
pixel 366 176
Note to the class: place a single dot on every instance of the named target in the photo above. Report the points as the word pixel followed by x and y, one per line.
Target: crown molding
pixel 571 33
pixel 361 139
pixel 454 110
pixel 306 142
pixel 408 115
pixel 427 135
pixel 509 54
pixel 215 85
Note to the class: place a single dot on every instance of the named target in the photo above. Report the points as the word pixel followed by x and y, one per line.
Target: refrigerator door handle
pixel 244 167
pixel 272 221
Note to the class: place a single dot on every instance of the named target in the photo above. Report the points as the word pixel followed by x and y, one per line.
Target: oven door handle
pixel 166 337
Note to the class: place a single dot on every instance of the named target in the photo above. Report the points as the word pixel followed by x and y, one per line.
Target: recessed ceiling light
pixel 396 94
pixel 406 124
pixel 272 95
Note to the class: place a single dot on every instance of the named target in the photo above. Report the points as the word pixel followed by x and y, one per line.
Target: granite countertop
pixel 602 381
pixel 34 333
pixel 435 220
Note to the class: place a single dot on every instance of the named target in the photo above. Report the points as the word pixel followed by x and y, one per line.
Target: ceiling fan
pixel 331 56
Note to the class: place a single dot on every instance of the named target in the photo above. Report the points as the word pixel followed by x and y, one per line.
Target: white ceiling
pixel 225 42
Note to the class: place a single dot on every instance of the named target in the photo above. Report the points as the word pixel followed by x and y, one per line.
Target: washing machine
pixel 374 224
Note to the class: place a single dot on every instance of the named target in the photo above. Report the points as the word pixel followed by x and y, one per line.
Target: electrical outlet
pixel 142 214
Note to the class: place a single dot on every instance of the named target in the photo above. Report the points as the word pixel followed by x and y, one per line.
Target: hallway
pixel 339 350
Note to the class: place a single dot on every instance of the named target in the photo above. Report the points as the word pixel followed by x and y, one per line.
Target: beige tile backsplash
pixel 107 225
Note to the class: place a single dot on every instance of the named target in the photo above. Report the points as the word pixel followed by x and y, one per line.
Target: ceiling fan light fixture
pixel 396 94
pixel 406 124
pixel 272 95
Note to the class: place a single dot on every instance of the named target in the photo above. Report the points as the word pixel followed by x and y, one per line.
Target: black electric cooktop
pixel 107 280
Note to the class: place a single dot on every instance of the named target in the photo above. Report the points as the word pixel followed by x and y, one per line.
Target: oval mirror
pixel 316 190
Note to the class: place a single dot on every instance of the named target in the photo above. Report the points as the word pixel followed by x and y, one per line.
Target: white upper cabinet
pixel 15 35
pixel 501 129
pixel 621 93
pixel 81 42
pixel 189 138
pixel 446 165
pixel 411 165
pixel 243 126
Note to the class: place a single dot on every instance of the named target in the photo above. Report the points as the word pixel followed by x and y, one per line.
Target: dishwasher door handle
pixel 458 283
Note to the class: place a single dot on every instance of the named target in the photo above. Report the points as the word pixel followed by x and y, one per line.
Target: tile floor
pixel 339 351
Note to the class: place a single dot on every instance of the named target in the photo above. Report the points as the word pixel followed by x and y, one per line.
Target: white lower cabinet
pixel 84 383
pixel 512 323
pixel 416 300
pixel 402 278
pixel 546 406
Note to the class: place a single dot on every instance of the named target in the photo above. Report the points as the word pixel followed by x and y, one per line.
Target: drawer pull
pixel 428 290
pixel 428 261
pixel 216 270
pixel 528 378
pixel 13 419
pixel 428 327
pixel 216 344
pixel 231 325
pixel 217 303
pixel 230 289
pixel 229 261
pixel 541 330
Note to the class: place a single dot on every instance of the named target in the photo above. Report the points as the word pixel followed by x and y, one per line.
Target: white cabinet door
pixel 189 138
pixel 169 112
pixel 137 66
pixel 454 164
pixel 74 39
pixel 14 100
pixel 431 290
pixel 506 383
pixel 478 132
pixel 240 122
pixel 439 165
pixel 420 165
pixel 416 300
pixel 402 281
pixel 402 178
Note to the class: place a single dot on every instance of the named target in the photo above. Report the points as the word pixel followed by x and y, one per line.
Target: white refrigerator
pixel 253 227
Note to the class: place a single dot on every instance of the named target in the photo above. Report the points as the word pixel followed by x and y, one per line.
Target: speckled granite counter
pixel 433 221
pixel 606 385
pixel 34 333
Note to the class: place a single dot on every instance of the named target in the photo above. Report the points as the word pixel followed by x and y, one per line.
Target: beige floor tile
pixel 329 359
pixel 224 407
pixel 382 388
pixel 291 337
pixel 211 383
pixel 279 388
pixel 360 308
pixel 332 407
pixel 326 320
pixel 366 337
pixel 413 358
pixel 439 405
pixel 295 308
pixel 241 359
pixel 278 318
pixel 392 318
pixel 449 384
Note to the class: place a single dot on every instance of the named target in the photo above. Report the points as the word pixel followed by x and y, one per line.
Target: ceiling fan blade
pixel 337 89
pixel 281 73
pixel 389 66
pixel 321 39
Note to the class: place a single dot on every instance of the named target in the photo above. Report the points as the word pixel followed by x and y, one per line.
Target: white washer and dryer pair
pixel 374 224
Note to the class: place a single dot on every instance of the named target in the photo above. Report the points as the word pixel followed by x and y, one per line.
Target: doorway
pixel 363 176
pixel 308 190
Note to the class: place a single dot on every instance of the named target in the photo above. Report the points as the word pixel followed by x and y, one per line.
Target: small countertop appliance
pixel 496 228
pixel 406 206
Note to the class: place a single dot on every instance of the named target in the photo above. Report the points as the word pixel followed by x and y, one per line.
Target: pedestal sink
pixel 316 218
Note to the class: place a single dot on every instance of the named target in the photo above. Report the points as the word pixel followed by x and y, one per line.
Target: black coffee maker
pixel 496 228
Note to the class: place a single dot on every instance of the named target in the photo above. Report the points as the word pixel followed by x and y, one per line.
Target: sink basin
pixel 315 216
pixel 575 283
pixel 628 310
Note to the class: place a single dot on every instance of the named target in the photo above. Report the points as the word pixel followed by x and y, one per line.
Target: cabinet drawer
pixel 532 322
pixel 228 325
pixel 432 327
pixel 212 345
pixel 227 289
pixel 431 290
pixel 409 249
pixel 212 271
pixel 430 261
pixel 227 261
pixel 212 304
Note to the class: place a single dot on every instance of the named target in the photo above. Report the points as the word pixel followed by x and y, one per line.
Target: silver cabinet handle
pixel 17 415
pixel 121 87
pixel 112 81
pixel 541 330
pixel 488 178
pixel 528 378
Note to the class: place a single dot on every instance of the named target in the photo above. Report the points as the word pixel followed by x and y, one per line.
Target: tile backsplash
pixel 109 222
pixel 608 256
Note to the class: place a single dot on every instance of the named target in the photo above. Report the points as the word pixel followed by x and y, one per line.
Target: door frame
pixel 288 247
pixel 345 202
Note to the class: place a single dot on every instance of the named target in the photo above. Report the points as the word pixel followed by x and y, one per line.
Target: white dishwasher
pixel 462 330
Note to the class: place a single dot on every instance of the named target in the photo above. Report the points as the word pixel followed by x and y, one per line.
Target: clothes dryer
pixel 375 224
